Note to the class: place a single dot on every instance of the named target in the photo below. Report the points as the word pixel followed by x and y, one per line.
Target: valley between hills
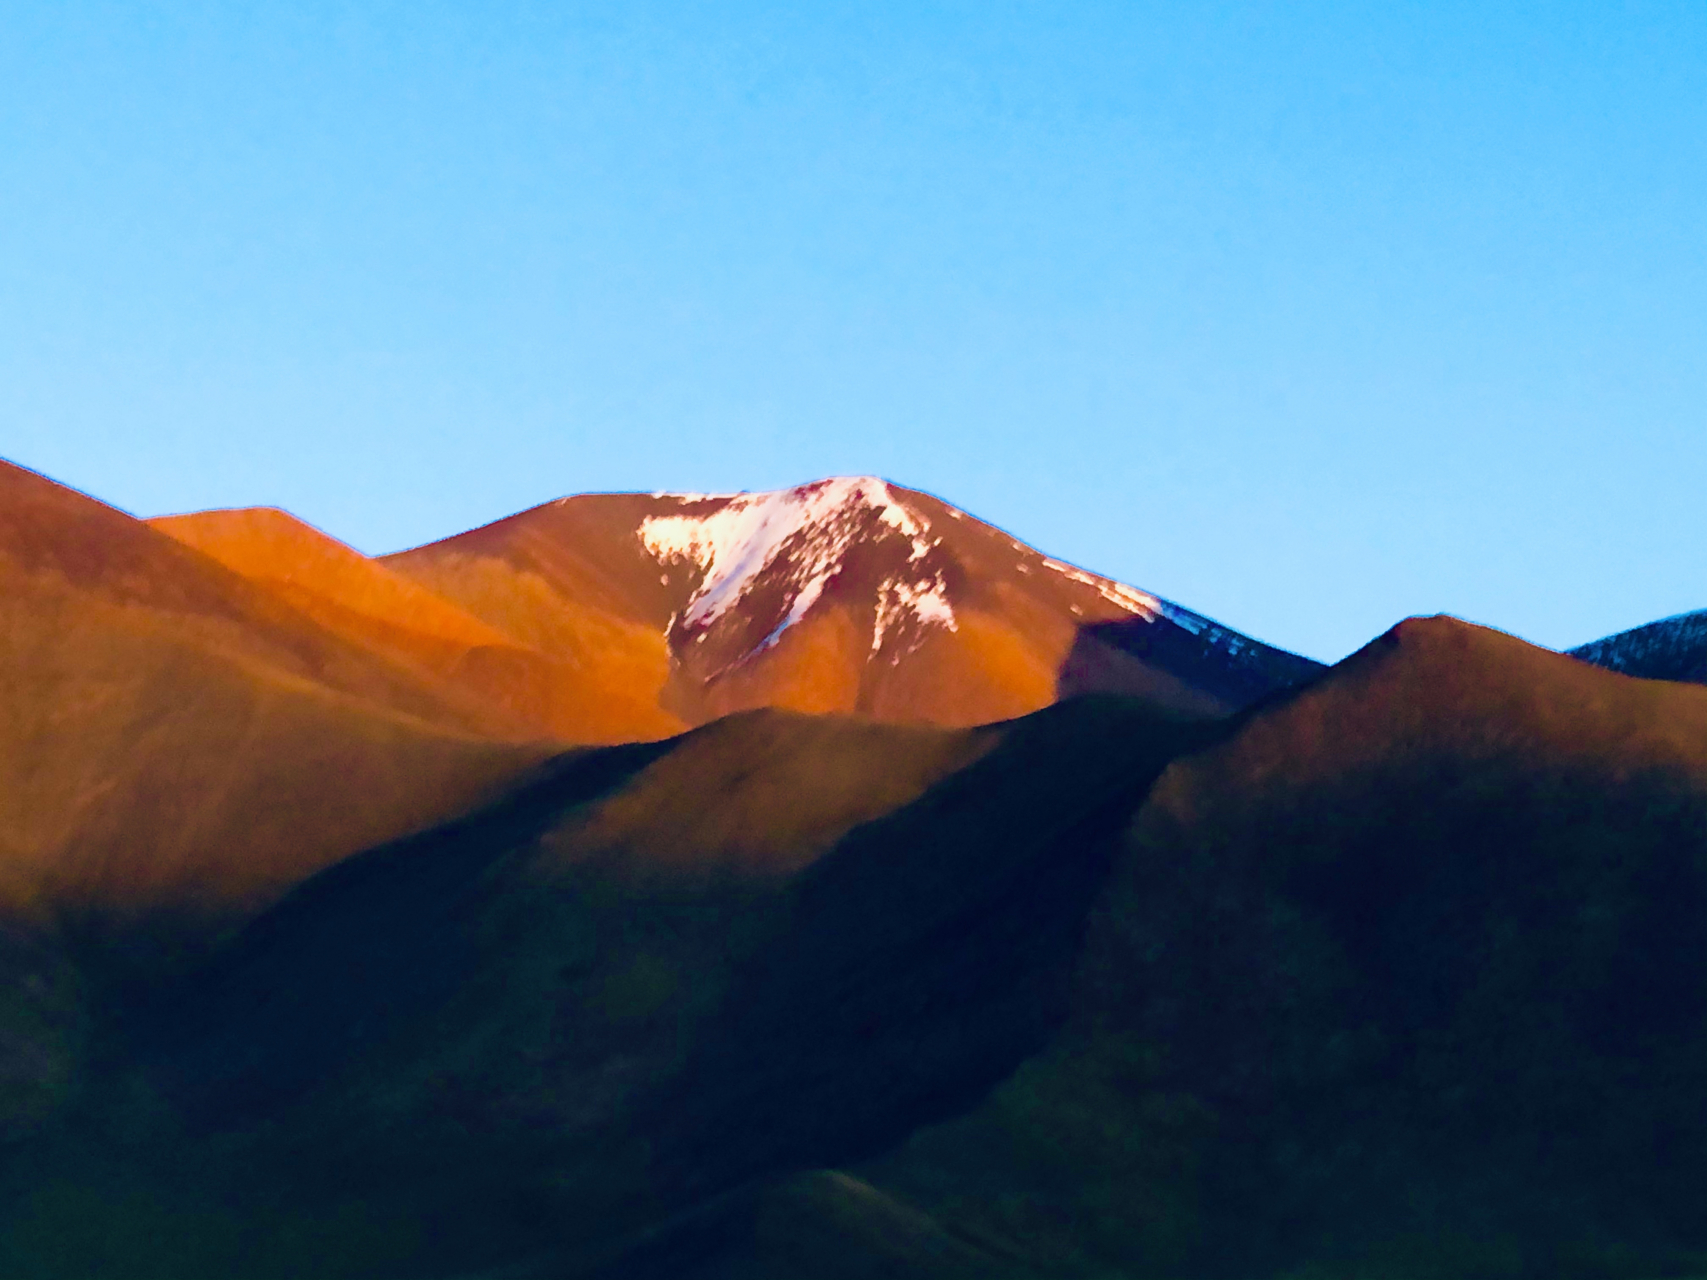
pixel 820 883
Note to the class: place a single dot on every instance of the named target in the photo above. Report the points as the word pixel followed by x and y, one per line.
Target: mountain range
pixel 820 883
pixel 846 595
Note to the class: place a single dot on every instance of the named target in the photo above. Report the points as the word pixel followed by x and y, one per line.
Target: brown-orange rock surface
pixel 174 736
pixel 607 618
pixel 575 697
pixel 845 595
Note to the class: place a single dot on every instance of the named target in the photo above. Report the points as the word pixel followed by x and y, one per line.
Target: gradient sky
pixel 1306 316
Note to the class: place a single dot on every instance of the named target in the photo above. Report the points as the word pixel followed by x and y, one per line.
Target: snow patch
pixel 927 601
pixel 809 528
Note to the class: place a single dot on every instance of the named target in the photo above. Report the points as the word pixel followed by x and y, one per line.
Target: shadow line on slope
pixel 361 946
pixel 925 957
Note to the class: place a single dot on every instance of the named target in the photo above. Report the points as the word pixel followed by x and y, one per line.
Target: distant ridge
pixel 1671 649
pixel 523 690
pixel 1230 671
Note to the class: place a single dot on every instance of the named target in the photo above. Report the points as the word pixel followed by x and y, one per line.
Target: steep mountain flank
pixel 545 1028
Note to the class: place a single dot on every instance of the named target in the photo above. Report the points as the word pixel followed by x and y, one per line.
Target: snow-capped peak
pixel 734 539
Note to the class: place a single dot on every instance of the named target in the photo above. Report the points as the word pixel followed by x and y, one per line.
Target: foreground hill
pixel 545 1027
pixel 1404 978
pixel 1398 975
pixel 174 738
pixel 844 595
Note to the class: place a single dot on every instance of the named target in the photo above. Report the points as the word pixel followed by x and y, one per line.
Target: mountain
pixel 1671 649
pixel 843 595
pixel 1403 977
pixel 325 950
pixel 1399 973
pixel 1182 660
pixel 204 708
pixel 371 605
pixel 174 738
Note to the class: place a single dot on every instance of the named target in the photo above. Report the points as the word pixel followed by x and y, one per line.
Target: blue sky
pixel 1306 316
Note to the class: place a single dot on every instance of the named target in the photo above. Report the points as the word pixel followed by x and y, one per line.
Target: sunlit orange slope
pixel 816 599
pixel 580 697
pixel 172 735
pixel 620 617
pixel 847 595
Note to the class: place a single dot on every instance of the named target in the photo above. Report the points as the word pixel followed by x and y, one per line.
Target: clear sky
pixel 1307 316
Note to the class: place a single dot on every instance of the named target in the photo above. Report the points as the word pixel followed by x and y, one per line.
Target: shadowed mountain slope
pixel 1405 978
pixel 373 606
pixel 844 595
pixel 1671 649
pixel 1180 660
pixel 171 736
pixel 824 1224
pixel 1400 974
pixel 1392 969
pixel 545 1027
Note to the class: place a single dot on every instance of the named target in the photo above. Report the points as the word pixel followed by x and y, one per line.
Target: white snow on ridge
pixel 1128 598
pixel 798 538
pixel 817 524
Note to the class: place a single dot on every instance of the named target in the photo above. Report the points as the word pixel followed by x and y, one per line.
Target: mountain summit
pixel 848 594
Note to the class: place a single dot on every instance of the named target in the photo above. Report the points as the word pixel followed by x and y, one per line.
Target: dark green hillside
pixel 651 976
pixel 1407 979
pixel 1401 975
pixel 43 1034
pixel 823 1224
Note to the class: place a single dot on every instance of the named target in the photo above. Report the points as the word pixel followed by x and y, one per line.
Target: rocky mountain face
pixel 202 709
pixel 530 687
pixel 845 595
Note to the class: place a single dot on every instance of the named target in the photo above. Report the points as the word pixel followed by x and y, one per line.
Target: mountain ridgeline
pixel 1670 649
pixel 818 884
pixel 847 595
